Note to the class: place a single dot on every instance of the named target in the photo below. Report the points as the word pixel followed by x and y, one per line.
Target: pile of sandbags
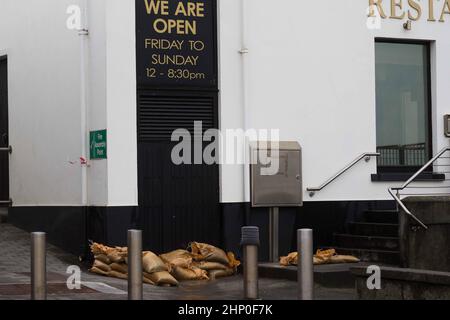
pixel 203 262
pixel 112 262
pixel 156 271
pixel 328 256
pixel 180 265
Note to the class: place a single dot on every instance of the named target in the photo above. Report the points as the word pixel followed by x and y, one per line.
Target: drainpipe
pixel 83 33
pixel 245 105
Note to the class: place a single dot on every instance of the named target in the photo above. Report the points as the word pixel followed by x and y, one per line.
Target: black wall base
pixel 325 218
pixel 109 225
pixel 70 228
pixel 65 226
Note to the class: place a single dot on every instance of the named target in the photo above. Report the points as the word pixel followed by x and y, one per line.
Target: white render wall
pixel 44 101
pixel 121 98
pixel 311 73
pixel 97 97
pixel 112 101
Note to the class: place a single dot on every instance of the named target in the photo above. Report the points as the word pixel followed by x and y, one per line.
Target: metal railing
pixel 366 156
pixel 6 149
pixel 396 192
pixel 402 155
pixel 7 202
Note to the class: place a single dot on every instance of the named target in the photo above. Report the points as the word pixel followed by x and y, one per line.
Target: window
pixel 403 105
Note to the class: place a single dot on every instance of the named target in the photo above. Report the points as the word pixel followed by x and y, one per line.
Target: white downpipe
pixel 84 52
pixel 245 103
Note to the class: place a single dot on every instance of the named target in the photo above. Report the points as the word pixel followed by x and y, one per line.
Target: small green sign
pixel 98 145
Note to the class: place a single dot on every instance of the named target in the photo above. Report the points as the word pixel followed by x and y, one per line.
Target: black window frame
pixel 413 169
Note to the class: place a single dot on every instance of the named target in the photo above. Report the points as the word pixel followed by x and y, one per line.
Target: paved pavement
pixel 15 279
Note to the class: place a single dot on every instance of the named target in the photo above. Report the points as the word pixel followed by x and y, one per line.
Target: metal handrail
pixel 401 204
pixel 429 163
pixel 395 192
pixel 6 149
pixel 366 156
pixel 8 202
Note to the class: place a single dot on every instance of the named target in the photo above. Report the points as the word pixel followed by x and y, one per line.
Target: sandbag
pixel 123 250
pixel 325 253
pixel 97 248
pixel 328 256
pixel 146 280
pixel 161 278
pixel 193 273
pixel 343 259
pixel 207 252
pixel 102 266
pixel 103 258
pixel 99 271
pixel 232 261
pixel 318 260
pixel 116 274
pixel 290 259
pixel 177 258
pixel 107 254
pixel 216 274
pixel 152 263
pixel 206 265
pixel 119 267
pixel 116 256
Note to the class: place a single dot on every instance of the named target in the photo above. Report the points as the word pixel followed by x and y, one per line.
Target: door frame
pixel 4 59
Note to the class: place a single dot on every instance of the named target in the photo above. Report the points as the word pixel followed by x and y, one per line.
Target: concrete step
pixel 329 275
pixel 366 242
pixel 385 257
pixel 381 216
pixel 374 229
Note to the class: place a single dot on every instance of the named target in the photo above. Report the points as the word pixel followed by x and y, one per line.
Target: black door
pixel 4 143
pixel 177 203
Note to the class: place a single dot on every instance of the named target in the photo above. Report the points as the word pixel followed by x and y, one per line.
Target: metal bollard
pixel 135 265
pixel 305 264
pixel 38 267
pixel 274 234
pixel 250 244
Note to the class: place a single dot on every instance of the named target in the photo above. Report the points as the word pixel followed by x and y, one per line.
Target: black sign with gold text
pixel 176 43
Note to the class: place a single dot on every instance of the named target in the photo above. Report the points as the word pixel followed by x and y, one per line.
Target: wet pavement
pixel 15 279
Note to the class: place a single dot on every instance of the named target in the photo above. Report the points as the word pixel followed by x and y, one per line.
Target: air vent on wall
pixel 160 115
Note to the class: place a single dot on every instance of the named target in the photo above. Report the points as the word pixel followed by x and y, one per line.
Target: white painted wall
pixel 44 101
pixel 311 74
pixel 112 93
pixel 97 101
pixel 121 97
